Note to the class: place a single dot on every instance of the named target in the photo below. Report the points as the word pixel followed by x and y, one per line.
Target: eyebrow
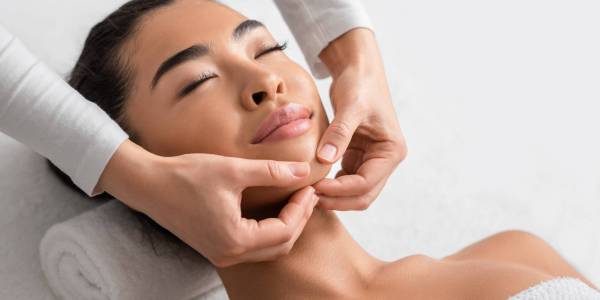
pixel 200 50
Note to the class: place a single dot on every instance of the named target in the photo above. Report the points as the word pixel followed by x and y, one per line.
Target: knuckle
pixel 221 262
pixel 401 151
pixel 363 203
pixel 287 236
pixel 364 188
pixel 341 129
pixel 234 245
pixel 235 251
pixel 274 169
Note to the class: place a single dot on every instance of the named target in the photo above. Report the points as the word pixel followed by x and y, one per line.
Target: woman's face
pixel 205 79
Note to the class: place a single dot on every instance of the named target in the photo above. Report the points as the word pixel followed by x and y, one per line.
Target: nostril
pixel 258 97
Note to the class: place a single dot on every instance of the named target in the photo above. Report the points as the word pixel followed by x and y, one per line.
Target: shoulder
pixel 422 277
pixel 485 268
pixel 512 246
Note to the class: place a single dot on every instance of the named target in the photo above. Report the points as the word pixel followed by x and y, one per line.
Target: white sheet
pixel 498 101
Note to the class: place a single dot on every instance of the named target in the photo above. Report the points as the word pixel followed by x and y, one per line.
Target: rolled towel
pixel 560 288
pixel 104 253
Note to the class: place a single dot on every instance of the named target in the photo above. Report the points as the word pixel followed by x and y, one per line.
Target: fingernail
pixel 328 152
pixel 299 170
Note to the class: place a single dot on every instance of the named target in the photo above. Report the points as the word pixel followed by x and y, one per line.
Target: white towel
pixel 104 254
pixel 561 288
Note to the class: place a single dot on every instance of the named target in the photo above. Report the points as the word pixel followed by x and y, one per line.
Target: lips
pixel 287 121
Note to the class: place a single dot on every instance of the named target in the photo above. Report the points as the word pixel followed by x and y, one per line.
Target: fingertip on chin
pixel 325 161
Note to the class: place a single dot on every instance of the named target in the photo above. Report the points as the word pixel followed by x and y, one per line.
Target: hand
pixel 197 197
pixel 365 130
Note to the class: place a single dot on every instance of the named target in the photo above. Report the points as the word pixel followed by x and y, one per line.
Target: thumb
pixel 270 172
pixel 336 138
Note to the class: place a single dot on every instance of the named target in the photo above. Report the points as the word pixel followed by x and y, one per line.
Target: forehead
pixel 188 18
pixel 172 28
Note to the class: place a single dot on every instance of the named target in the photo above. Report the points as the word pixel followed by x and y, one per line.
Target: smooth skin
pixel 325 262
pixel 192 194
pixel 365 131
pixel 197 197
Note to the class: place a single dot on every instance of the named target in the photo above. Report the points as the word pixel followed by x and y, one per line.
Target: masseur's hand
pixel 197 197
pixel 365 131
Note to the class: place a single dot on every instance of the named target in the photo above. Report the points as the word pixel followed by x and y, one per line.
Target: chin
pixel 266 202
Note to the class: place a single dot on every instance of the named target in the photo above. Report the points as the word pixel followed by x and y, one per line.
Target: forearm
pixel 39 109
pixel 315 23
pixel 356 49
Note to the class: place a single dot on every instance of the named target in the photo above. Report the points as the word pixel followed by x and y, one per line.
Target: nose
pixel 262 85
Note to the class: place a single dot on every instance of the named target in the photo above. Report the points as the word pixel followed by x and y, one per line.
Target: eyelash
pixel 276 47
pixel 205 76
pixel 192 86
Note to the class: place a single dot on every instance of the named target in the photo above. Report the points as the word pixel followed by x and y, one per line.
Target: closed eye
pixel 196 83
pixel 269 49
pixel 209 75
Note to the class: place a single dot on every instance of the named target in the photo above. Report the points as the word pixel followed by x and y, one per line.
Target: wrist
pixel 128 173
pixel 356 49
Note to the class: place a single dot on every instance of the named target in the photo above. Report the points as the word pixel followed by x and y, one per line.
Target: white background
pixel 498 100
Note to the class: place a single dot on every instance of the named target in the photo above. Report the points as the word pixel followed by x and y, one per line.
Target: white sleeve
pixel 39 109
pixel 315 23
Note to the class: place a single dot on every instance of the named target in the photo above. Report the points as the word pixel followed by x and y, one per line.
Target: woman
pixel 216 82
pixel 36 105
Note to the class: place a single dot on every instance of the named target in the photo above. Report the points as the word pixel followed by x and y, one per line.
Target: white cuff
pixel 39 109
pixel 315 23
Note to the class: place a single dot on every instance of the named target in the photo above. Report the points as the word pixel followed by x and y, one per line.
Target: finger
pixel 336 138
pixel 274 231
pixel 379 163
pixel 277 251
pixel 250 172
pixel 369 174
pixel 350 203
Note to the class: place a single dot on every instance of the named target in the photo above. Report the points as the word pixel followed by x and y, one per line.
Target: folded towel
pixel 104 253
pixel 560 288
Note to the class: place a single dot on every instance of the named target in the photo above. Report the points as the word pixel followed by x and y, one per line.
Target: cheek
pixel 193 128
pixel 211 128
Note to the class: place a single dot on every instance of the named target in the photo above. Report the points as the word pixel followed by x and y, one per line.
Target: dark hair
pixel 101 73
pixel 102 76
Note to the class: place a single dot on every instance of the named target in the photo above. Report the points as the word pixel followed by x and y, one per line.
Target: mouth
pixel 286 122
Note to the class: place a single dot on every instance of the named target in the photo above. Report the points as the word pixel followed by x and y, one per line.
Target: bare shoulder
pixel 503 246
pixel 513 246
pixel 493 268
pixel 521 248
pixel 423 277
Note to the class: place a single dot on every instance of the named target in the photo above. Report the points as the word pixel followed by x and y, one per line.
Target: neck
pixel 324 262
